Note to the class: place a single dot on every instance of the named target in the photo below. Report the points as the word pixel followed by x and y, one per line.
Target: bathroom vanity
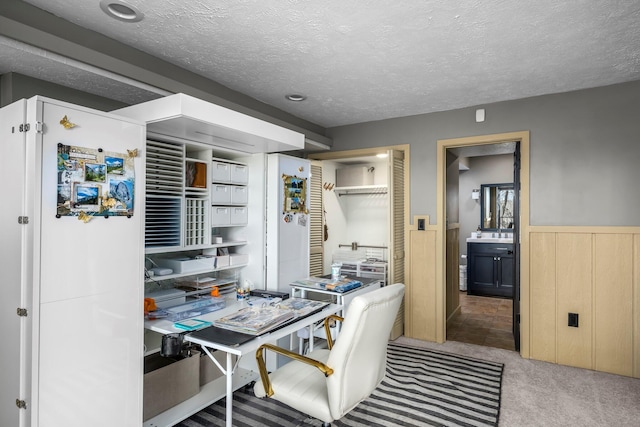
pixel 490 266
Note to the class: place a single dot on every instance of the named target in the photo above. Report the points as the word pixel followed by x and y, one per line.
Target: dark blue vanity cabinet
pixel 490 268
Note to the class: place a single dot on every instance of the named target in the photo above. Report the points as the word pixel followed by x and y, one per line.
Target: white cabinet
pixel 72 354
pixel 184 130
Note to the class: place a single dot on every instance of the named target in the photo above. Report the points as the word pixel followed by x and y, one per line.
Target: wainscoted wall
pixel 594 272
pixel 591 271
pixel 423 309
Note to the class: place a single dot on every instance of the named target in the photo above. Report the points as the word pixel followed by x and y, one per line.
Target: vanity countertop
pixel 490 240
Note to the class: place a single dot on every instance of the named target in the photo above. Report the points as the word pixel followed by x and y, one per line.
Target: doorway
pixel 495 310
pixel 398 198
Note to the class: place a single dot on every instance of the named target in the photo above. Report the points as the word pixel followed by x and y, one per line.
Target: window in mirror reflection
pixel 496 206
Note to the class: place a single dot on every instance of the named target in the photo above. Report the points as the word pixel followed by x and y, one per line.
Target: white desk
pixel 234 377
pixel 341 298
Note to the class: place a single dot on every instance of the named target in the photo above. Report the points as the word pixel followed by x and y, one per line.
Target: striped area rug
pixel 421 388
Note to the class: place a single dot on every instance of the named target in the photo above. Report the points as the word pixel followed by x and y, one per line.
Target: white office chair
pixel 328 383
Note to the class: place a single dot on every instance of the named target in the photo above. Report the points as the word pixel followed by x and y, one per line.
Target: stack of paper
pixel 255 320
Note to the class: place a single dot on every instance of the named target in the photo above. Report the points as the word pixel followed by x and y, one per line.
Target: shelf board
pixel 192 273
pixel 361 189
pixel 161 250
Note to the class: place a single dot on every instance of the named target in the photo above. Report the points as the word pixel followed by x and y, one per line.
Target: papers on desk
pixel 258 319
pixel 341 285
pixel 255 320
pixel 303 307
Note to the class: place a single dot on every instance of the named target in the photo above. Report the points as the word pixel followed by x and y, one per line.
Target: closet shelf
pixel 361 189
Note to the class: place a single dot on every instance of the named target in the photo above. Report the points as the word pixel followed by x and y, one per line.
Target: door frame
pixel 372 151
pixel 523 137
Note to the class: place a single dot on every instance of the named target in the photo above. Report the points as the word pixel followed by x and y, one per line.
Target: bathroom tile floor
pixel 483 320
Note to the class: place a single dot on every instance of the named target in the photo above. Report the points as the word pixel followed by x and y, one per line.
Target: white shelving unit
pixel 185 134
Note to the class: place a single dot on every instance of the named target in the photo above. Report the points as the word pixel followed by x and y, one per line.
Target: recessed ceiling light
pixel 121 11
pixel 296 97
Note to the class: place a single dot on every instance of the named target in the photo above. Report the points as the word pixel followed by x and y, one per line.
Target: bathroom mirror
pixel 496 207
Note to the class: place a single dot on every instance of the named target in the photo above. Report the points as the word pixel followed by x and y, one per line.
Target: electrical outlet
pixel 573 320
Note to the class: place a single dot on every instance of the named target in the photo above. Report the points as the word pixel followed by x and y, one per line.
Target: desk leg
pixel 229 390
pixel 303 294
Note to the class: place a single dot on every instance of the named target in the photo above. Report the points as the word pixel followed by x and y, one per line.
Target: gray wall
pixel 585 151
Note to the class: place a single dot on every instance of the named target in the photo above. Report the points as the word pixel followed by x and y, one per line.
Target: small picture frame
pixel 115 165
pixel 95 172
pixel 85 197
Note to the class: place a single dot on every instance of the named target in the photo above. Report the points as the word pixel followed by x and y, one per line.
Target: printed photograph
pixel 115 165
pixel 95 172
pixel 122 191
pixel 86 197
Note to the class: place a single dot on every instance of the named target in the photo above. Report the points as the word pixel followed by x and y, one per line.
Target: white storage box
pixel 239 195
pixel 354 176
pixel 186 265
pixel 239 174
pixel 167 297
pixel 220 194
pixel 221 261
pixel 221 172
pixel 239 216
pixel 220 215
pixel 237 259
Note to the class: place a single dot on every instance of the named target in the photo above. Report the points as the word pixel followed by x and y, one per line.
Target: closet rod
pixel 354 246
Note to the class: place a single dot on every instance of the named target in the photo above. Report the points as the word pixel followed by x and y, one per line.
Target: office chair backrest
pixel 359 355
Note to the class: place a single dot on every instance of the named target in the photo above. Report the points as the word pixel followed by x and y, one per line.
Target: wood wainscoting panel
pixel 420 294
pixel 574 295
pixel 613 272
pixel 453 270
pixel 542 296
pixel 636 305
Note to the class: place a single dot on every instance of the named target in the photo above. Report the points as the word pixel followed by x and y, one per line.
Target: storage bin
pixel 221 261
pixel 237 259
pixel 239 216
pixel 221 172
pixel 220 216
pixel 239 195
pixel 169 381
pixel 239 174
pixel 185 264
pixel 167 297
pixel 220 194
pixel 208 370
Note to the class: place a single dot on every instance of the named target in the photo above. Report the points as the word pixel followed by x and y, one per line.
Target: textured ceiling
pixel 359 61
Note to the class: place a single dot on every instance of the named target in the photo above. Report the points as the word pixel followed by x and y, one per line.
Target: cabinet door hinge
pixel 39 127
pixel 24 220
pixel 22 312
pixel 22 404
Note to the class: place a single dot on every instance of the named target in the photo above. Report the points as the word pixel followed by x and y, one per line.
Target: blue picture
pixel 115 165
pixel 122 191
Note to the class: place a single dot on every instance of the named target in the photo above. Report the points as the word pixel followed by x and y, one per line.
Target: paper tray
pixel 194 308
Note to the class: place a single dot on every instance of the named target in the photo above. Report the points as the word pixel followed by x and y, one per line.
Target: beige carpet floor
pixel 543 394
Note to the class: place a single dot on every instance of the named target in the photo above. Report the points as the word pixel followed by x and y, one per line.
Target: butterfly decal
pixel 66 123
pixel 82 216
pixel 133 153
